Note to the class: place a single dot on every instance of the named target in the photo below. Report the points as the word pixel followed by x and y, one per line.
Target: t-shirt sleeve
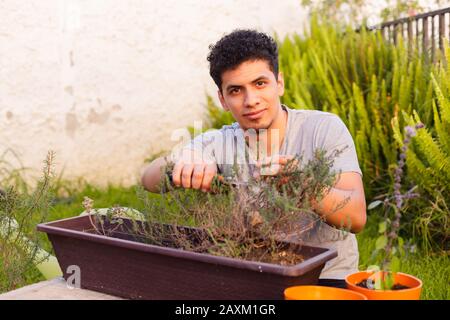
pixel 332 135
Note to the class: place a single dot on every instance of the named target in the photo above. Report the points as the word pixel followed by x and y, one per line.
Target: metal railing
pixel 429 30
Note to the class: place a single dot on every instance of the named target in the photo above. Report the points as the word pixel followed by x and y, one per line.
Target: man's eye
pixel 260 83
pixel 235 90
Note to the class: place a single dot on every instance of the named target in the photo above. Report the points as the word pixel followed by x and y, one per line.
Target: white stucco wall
pixel 103 83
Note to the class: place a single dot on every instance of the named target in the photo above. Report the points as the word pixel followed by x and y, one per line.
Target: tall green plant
pixel 429 164
pixel 19 213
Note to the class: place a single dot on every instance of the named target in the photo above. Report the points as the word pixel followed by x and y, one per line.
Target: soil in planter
pixel 397 286
pixel 283 257
pixel 196 240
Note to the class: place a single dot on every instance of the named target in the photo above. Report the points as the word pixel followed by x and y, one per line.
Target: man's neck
pixel 269 141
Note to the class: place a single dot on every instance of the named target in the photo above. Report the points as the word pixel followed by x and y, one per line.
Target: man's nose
pixel 252 98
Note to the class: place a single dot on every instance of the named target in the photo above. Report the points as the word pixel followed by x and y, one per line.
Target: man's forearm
pixel 343 209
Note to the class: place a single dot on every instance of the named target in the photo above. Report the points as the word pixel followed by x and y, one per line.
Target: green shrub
pixel 20 211
pixel 429 166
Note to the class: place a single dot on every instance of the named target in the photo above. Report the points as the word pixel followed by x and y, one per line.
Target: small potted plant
pixel 386 282
pixel 234 244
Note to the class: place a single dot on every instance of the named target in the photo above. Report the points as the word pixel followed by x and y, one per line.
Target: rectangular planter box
pixel 122 267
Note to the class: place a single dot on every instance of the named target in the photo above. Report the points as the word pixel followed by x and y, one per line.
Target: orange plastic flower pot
pixel 321 293
pixel 413 293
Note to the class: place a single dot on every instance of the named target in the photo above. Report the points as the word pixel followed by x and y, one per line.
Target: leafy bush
pixel 19 213
pixel 429 165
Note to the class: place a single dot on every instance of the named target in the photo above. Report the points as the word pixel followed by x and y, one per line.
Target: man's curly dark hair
pixel 240 46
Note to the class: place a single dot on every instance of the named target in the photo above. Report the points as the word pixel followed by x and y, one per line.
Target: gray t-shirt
pixel 306 131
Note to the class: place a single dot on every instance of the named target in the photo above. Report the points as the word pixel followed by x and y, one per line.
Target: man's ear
pixel 222 101
pixel 280 84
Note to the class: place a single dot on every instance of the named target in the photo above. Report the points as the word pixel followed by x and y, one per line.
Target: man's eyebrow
pixel 260 78
pixel 232 86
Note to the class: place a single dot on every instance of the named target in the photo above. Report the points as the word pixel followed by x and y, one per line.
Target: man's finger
pixel 197 176
pixel 276 164
pixel 176 173
pixel 186 175
pixel 288 162
pixel 271 170
pixel 285 159
pixel 210 172
pixel 270 165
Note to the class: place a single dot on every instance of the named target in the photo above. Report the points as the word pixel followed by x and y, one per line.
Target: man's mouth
pixel 255 114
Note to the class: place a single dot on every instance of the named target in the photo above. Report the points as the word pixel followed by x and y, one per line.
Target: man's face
pixel 252 94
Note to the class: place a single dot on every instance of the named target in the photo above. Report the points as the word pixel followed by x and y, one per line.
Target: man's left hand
pixel 274 165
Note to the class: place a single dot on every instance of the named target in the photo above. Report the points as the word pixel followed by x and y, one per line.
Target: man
pixel 244 66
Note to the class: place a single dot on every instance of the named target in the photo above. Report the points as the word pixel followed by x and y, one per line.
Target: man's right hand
pixel 191 171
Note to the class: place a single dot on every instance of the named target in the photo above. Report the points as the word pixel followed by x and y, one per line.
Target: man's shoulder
pixel 311 119
pixel 312 114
